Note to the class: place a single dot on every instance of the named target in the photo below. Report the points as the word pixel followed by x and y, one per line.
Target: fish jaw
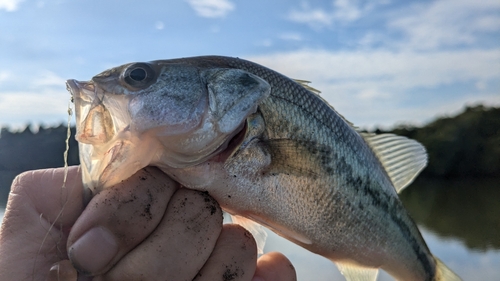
pixel 105 166
pixel 109 150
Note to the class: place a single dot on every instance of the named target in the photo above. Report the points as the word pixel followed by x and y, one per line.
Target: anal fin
pixel 443 273
pixel 357 273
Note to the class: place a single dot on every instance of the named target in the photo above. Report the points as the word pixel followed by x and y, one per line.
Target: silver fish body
pixel 266 148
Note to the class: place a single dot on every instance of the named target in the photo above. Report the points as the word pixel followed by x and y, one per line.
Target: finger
pixel 37 219
pixel 179 246
pixel 274 266
pixel 118 219
pixel 62 271
pixel 41 192
pixel 234 256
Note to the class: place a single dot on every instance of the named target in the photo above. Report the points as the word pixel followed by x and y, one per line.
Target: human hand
pixel 144 228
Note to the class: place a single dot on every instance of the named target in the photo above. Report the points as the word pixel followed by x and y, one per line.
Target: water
pixel 460 221
pixel 468 264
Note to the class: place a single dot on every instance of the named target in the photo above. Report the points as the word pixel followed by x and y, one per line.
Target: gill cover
pixel 158 113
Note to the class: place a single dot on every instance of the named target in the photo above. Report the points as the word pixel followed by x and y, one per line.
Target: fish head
pixel 160 113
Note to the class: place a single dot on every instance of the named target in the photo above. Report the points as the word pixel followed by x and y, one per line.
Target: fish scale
pixel 314 113
pixel 291 162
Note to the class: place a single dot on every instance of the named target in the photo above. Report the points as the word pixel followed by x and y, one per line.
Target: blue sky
pixel 379 63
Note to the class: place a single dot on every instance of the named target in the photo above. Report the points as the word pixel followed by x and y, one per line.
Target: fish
pixel 268 148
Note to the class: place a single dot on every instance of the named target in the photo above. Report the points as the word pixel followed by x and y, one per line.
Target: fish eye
pixel 139 75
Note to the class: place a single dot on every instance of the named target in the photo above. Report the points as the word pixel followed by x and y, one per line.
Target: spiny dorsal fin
pixel 402 158
pixel 356 273
pixel 305 84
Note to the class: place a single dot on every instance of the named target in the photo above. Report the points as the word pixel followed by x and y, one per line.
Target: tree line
pixel 27 150
pixel 462 146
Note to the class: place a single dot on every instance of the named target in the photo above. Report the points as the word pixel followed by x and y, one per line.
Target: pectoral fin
pixel 257 230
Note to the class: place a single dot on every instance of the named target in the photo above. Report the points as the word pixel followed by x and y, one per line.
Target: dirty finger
pixel 179 246
pixel 118 219
pixel 234 256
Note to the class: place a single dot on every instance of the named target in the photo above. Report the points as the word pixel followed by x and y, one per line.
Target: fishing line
pixel 64 199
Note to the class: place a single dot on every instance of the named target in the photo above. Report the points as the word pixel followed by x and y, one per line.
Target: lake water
pixel 460 221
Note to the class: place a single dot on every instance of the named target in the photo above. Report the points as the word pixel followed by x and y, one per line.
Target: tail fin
pixel 443 273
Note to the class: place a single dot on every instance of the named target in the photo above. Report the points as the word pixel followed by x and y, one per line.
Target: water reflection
pixel 460 221
pixel 467 263
pixel 467 210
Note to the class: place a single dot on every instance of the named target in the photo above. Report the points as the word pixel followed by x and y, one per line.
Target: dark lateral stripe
pixel 382 201
pixel 391 207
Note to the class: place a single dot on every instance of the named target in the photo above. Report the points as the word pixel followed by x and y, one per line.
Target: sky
pixel 379 63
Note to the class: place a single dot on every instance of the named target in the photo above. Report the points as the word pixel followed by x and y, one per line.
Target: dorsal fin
pixel 357 273
pixel 402 158
pixel 316 92
pixel 305 84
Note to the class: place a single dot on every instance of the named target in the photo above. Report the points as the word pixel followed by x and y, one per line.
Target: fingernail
pixel 93 250
pixel 62 270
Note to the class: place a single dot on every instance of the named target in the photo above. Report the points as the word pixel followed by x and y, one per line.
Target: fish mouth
pixel 89 112
pixel 109 150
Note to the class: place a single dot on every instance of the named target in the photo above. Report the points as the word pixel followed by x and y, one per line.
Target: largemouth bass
pixel 267 148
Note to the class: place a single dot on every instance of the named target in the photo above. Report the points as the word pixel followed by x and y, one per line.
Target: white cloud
pixel 48 106
pixel 43 100
pixel 346 10
pixel 446 22
pixel 159 25
pixel 403 70
pixel 211 8
pixel 10 5
pixel 291 36
pixel 342 11
pixel 424 25
pixel 4 76
pixel 264 43
pixel 377 87
pixel 481 85
pixel 312 17
pixel 48 78
pixel 215 29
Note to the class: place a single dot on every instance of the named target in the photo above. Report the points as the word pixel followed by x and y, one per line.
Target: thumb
pixel 274 266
